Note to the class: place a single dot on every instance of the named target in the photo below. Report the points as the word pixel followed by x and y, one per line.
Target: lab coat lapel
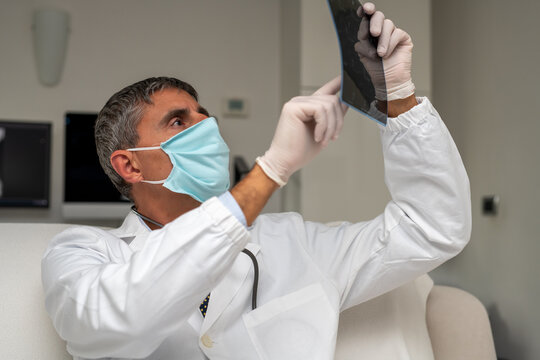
pixel 223 294
pixel 132 231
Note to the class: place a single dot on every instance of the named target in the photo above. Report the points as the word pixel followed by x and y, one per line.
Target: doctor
pixel 176 280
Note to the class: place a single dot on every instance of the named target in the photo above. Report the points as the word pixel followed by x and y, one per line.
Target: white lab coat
pixel 134 293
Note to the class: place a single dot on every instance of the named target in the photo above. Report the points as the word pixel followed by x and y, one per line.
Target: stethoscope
pixel 245 251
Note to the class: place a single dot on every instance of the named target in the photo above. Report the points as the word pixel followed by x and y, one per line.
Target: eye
pixel 177 122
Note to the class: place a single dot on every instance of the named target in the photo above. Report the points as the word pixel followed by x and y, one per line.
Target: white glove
pixel 395 47
pixel 305 127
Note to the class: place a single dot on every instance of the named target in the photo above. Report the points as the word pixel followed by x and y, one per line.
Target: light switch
pixel 490 205
pixel 235 107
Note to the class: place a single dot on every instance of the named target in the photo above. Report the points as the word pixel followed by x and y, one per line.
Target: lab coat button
pixel 207 341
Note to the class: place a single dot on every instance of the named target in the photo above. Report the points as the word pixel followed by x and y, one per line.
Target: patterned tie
pixel 204 306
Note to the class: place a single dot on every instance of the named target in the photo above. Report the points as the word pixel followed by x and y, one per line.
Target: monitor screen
pixel 85 180
pixel 25 150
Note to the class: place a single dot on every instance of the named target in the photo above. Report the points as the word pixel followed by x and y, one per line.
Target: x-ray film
pixel 357 89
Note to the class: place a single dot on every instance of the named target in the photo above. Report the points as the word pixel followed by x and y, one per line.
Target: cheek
pixel 156 166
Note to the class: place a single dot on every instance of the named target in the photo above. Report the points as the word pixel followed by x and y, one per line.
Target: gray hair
pixel 116 124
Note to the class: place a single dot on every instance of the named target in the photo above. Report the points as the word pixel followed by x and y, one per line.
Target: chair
pixel 457 326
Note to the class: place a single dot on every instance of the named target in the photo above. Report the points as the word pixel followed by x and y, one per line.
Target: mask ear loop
pixel 144 148
pixel 154 182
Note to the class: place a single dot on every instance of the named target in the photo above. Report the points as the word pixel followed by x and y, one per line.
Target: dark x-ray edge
pixel 363 112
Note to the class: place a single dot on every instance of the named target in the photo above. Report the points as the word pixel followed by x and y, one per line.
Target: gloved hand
pixel 305 127
pixel 394 46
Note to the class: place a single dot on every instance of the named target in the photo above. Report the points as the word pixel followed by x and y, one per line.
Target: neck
pixel 161 204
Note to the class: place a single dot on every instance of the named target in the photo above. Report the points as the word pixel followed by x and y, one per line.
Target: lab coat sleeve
pixel 107 301
pixel 427 222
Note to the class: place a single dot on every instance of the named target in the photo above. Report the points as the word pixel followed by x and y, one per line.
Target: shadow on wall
pixel 504 343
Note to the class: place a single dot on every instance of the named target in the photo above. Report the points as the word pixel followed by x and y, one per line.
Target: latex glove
pixel 394 47
pixel 305 127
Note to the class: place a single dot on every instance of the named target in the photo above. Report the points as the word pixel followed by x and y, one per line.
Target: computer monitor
pixel 88 192
pixel 25 151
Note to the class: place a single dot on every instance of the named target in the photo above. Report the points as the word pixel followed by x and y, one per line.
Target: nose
pixel 198 118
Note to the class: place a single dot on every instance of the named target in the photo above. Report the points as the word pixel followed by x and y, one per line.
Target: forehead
pixel 163 102
pixel 167 99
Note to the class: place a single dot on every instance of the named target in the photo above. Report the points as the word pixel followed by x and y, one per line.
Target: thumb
pixel 330 88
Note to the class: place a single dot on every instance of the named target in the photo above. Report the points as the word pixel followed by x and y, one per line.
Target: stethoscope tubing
pixel 245 251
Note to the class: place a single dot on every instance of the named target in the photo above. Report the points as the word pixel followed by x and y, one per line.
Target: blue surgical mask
pixel 200 159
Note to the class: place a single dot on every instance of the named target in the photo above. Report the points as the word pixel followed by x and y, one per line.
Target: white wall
pixel 224 48
pixel 486 56
pixel 345 182
pixel 485 81
pixel 290 84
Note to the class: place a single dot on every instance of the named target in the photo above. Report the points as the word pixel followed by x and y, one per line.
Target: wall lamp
pixel 50 28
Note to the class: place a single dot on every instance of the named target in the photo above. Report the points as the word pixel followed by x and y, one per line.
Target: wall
pixel 223 48
pixel 290 42
pixel 484 84
pixel 486 87
pixel 345 182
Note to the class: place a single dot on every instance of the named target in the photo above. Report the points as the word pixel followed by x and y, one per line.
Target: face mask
pixel 200 159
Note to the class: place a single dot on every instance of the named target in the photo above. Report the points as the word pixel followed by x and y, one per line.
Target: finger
pixel 330 88
pixel 344 108
pixel 313 110
pixel 324 117
pixel 338 121
pixel 342 111
pixel 376 23
pixel 331 123
pixel 384 39
pixel 363 30
pixel 334 129
pixel 360 12
pixel 321 122
pixel 368 9
pixel 398 37
pixel 365 49
pixel 326 111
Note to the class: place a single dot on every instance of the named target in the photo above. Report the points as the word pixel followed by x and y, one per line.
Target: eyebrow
pixel 202 110
pixel 172 114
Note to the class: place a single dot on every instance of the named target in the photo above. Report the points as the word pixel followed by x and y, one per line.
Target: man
pixel 272 285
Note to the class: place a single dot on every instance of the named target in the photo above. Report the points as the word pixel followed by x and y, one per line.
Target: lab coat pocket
pixel 300 325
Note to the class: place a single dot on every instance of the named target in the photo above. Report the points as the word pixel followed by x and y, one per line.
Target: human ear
pixel 126 165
